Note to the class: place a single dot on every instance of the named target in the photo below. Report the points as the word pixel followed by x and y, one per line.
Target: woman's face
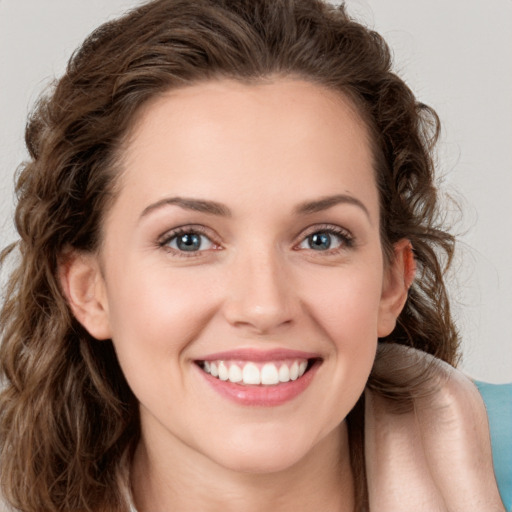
pixel 242 276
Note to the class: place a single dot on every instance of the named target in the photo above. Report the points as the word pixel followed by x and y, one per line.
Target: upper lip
pixel 250 354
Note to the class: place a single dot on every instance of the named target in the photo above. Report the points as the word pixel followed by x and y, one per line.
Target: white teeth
pixel 294 371
pixel 250 373
pixel 284 373
pixel 235 374
pixel 223 371
pixel 269 374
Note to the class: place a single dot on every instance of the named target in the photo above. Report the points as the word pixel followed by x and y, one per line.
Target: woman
pixel 228 212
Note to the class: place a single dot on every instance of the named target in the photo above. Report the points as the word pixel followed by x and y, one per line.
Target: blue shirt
pixel 498 402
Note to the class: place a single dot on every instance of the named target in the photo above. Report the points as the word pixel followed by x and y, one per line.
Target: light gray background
pixel 455 54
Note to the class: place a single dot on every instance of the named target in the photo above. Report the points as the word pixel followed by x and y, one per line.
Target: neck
pixel 322 480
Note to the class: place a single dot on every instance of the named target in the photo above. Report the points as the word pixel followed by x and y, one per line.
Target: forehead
pixel 285 134
pixel 301 104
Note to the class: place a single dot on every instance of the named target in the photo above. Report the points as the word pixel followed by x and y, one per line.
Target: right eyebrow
pixel 197 205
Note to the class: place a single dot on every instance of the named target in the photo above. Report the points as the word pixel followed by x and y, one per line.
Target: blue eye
pixel 326 240
pixel 189 241
pixel 320 241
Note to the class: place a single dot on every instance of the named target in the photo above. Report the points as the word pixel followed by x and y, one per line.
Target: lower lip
pixel 263 396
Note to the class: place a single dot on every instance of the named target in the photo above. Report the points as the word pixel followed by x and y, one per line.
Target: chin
pixel 261 463
pixel 265 451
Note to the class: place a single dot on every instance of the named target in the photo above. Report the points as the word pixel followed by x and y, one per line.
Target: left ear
pixel 399 275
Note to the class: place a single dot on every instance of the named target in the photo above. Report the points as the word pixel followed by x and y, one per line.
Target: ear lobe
pixel 399 277
pixel 84 288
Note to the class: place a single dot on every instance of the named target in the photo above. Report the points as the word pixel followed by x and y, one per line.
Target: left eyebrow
pixel 325 203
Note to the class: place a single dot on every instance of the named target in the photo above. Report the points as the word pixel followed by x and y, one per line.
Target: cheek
pixel 157 314
pixel 155 317
pixel 345 306
pixel 346 303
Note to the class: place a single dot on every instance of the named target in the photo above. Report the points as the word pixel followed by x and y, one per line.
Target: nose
pixel 260 295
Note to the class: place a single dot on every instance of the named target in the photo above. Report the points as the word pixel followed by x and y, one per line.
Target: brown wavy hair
pixel 68 420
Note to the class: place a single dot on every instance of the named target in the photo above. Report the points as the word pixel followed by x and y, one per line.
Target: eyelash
pixel 167 238
pixel 347 241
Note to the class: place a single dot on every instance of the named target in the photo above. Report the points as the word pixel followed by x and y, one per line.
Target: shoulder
pixel 498 402
pixel 438 448
pixel 428 384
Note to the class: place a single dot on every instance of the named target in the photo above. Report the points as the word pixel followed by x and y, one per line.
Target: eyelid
pixel 327 228
pixel 170 234
pixel 332 228
pixel 199 229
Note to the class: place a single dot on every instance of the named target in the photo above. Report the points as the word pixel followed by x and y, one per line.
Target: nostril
pixel 259 320
pixel 260 297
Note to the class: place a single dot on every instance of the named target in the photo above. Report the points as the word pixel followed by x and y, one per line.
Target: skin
pixel 261 151
pixel 437 456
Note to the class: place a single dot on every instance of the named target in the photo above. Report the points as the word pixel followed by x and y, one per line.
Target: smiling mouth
pixel 254 373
